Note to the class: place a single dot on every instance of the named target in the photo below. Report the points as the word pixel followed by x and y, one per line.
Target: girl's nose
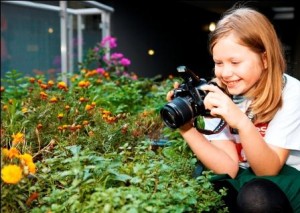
pixel 226 71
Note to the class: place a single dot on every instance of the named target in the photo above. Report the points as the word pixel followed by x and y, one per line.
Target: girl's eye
pixel 218 63
pixel 235 62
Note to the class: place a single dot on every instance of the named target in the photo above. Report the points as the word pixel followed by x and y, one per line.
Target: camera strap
pixel 216 130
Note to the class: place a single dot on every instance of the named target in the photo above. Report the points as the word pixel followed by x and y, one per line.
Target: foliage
pixel 88 146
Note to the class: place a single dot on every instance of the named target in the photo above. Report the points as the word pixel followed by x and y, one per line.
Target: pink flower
pixel 100 70
pixel 125 62
pixel 116 56
pixel 110 41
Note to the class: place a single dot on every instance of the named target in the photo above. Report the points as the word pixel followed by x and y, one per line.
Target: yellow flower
pixel 18 138
pixel 60 115
pixel 11 174
pixel 53 100
pixel 62 85
pixel 26 158
pixel 24 110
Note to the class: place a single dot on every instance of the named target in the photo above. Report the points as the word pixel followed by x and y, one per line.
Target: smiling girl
pixel 257 155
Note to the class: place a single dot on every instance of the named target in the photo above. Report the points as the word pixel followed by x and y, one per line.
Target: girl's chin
pixel 234 91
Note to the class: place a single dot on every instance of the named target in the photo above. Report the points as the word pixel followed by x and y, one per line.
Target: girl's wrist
pixel 184 128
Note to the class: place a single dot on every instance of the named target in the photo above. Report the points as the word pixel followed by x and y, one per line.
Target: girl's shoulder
pixel 291 81
pixel 292 86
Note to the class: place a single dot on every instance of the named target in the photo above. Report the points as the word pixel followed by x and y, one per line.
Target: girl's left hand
pixel 221 105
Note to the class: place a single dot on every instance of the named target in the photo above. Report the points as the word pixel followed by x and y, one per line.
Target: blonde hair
pixel 255 31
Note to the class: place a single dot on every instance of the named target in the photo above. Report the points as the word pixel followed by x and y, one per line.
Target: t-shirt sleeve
pixel 284 128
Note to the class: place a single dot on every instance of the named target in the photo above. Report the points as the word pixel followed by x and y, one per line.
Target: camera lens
pixel 177 112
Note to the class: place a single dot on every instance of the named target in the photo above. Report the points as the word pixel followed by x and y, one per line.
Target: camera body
pixel 187 102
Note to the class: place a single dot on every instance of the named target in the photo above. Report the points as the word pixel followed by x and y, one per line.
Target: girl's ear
pixel 264 60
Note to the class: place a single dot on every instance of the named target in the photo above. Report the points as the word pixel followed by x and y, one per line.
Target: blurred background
pixel 156 36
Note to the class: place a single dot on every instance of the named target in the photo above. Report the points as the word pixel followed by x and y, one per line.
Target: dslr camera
pixel 187 103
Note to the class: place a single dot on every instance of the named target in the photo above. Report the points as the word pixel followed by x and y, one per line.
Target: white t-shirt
pixel 282 131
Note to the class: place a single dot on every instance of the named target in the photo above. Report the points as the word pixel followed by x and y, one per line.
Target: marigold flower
pixel 39 126
pixel 67 107
pixel 60 115
pixel 18 138
pixel 91 73
pixel 50 83
pixel 5 107
pixel 44 86
pixel 53 100
pixel 2 89
pixel 24 110
pixel 11 153
pixel 10 101
pixel 62 85
pixel 43 95
pixel 11 174
pixel 65 126
pixel 88 107
pixel 26 159
pixel 85 122
pixel 32 80
pixel 82 99
pixel 84 84
pixel 31 168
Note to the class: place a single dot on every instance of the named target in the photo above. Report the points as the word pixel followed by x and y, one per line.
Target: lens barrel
pixel 177 112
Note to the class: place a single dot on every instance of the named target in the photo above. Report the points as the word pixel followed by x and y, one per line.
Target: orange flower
pixel 18 138
pixel 50 83
pixel 88 107
pixel 85 122
pixel 82 99
pixel 11 174
pixel 31 168
pixel 39 126
pixel 2 89
pixel 11 153
pixel 32 80
pixel 62 85
pixel 84 84
pixel 43 95
pixel 67 107
pixel 44 86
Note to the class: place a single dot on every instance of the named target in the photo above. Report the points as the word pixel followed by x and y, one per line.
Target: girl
pixel 258 152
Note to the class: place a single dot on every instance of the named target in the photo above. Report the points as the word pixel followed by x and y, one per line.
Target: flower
pixel 11 153
pixel 18 138
pixel 62 85
pixel 11 174
pixel 43 95
pixel 110 41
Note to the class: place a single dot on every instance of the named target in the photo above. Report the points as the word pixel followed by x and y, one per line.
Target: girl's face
pixel 236 66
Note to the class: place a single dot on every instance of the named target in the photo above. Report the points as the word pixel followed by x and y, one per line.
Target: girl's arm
pixel 219 156
pixel 263 158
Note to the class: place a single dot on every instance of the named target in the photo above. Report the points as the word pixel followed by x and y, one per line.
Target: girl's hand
pixel 221 105
pixel 170 94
